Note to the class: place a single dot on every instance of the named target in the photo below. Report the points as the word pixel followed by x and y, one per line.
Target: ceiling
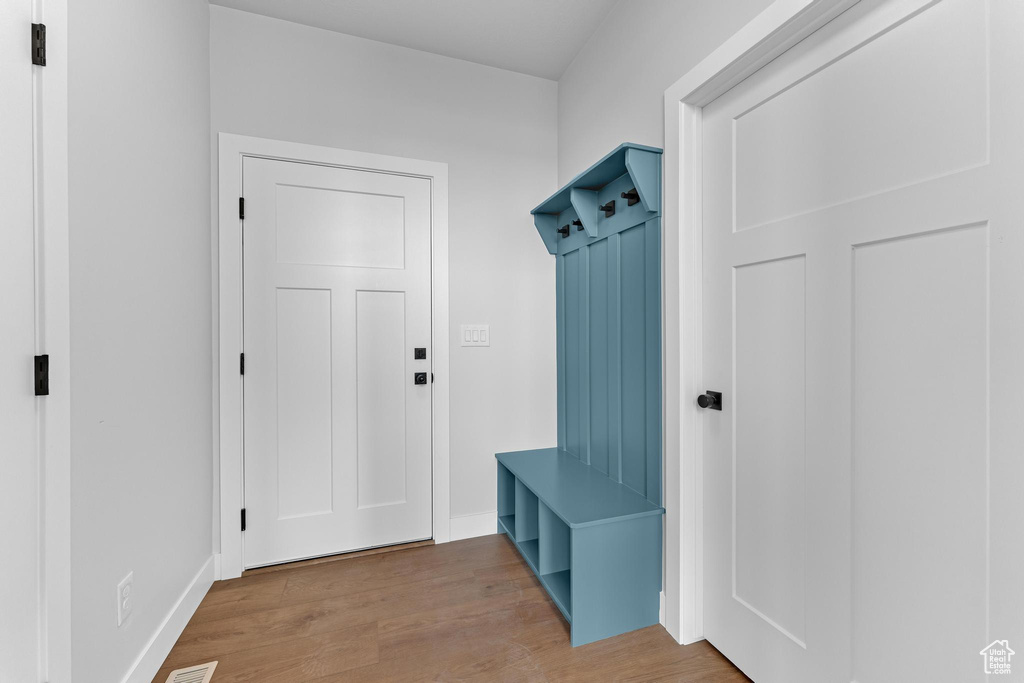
pixel 535 37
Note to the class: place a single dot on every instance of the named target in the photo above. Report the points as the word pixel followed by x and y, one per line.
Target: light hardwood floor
pixel 468 610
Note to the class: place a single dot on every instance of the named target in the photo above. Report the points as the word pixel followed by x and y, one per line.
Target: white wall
pixel 614 88
pixel 497 132
pixel 140 318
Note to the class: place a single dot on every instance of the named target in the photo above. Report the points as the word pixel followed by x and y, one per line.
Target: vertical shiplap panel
pixel 633 290
pixel 573 311
pixel 609 356
pixel 598 355
pixel 652 269
pixel 614 368
pixel 584 356
pixel 560 344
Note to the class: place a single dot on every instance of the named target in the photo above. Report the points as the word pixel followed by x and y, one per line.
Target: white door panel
pixel 336 299
pixel 863 261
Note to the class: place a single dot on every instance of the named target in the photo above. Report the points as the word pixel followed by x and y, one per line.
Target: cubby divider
pixel 555 540
pixel 506 501
pixel 526 523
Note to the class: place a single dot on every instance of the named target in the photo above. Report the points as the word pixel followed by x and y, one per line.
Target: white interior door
pixel 336 301
pixel 863 234
pixel 19 454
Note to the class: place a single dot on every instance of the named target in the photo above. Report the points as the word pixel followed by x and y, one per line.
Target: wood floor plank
pixel 299 659
pixel 465 611
pixel 382 571
pixel 287 566
pixel 273 626
pixel 240 597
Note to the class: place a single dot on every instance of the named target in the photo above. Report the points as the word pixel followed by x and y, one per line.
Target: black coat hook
pixel 631 197
pixel 578 224
pixel 564 231
pixel 609 209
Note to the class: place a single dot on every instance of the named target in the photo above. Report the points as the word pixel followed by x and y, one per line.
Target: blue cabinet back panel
pixel 609 355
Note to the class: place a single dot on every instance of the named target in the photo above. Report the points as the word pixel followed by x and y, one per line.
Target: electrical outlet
pixel 476 335
pixel 125 599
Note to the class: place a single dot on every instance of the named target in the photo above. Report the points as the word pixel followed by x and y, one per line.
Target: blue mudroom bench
pixel 586 515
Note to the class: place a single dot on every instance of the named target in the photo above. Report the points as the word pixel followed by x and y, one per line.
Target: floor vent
pixel 193 674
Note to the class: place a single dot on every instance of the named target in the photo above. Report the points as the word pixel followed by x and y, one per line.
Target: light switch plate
pixel 476 335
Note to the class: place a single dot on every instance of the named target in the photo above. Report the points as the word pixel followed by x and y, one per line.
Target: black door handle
pixel 710 399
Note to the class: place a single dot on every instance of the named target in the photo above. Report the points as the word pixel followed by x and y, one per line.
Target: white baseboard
pixel 471 526
pixel 159 646
pixel 661 608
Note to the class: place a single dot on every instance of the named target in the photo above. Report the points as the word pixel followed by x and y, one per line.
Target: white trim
pixel 471 526
pixel 54 339
pixel 152 657
pixel 778 28
pixel 229 325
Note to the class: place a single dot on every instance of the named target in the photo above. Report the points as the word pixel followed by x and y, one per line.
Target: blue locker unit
pixel 586 515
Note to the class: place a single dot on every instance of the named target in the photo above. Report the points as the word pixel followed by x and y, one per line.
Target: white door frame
pixel 53 337
pixel 778 28
pixel 229 319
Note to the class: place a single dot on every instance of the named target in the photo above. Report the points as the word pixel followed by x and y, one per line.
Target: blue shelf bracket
pixel 546 227
pixel 585 203
pixel 645 169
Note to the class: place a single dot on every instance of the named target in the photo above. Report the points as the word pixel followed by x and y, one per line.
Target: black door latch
pixel 710 399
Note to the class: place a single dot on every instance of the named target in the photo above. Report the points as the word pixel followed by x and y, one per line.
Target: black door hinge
pixel 39 44
pixel 243 519
pixel 41 365
pixel 431 378
pixel 241 363
pixel 241 208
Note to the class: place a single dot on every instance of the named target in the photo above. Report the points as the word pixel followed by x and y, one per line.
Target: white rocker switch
pixel 476 335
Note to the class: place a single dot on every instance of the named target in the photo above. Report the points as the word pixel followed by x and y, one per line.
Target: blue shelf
pixel 610 167
pixel 628 167
pixel 557 585
pixel 509 523
pixel 579 495
pixel 531 551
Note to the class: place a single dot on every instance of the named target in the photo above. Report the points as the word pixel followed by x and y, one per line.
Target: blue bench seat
pixel 594 544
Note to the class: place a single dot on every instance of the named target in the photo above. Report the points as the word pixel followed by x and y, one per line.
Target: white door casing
pixel 781 25
pixel 19 482
pixel 233 151
pixel 862 260
pixel 35 631
pixel 336 299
